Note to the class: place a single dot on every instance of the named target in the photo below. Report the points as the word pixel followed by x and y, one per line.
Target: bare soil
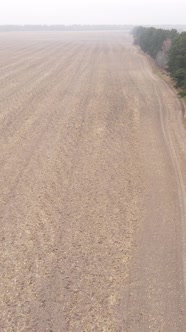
pixel 92 187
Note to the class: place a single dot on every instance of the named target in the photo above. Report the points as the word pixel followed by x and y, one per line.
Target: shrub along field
pixel 169 44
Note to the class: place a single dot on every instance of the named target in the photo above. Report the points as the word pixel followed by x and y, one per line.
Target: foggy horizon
pixel 81 12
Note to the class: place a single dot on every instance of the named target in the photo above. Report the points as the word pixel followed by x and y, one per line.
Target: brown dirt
pixel 92 202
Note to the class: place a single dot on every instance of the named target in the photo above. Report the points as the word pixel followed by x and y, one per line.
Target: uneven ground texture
pixel 92 187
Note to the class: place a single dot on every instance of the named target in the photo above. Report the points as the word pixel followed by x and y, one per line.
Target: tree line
pixel 75 27
pixel 168 45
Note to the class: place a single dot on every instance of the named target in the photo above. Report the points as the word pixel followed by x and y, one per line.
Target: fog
pixel 93 12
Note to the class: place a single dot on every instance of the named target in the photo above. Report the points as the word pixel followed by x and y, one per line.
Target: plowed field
pixel 92 187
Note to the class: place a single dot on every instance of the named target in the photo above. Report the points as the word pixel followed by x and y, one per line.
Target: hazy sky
pixel 93 11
